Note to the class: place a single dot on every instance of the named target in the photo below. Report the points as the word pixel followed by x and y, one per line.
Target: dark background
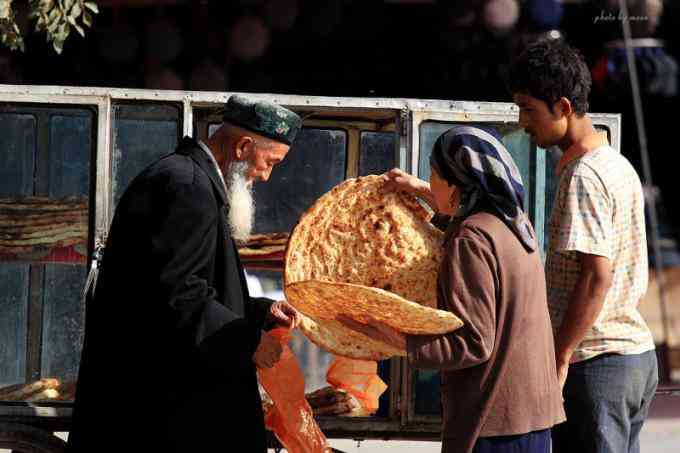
pixel 362 48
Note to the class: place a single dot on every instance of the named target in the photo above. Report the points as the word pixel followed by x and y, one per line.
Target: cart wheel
pixel 27 439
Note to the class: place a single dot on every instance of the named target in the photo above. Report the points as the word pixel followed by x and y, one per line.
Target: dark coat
pixel 170 333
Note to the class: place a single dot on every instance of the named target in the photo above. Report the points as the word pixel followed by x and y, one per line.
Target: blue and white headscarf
pixel 475 161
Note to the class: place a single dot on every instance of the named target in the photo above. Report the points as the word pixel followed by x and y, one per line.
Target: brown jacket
pixel 498 370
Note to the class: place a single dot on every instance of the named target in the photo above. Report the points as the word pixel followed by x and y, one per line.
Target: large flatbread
pixel 335 338
pixel 326 301
pixel 357 233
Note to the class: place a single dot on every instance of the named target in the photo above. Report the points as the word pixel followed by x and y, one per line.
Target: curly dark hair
pixel 549 69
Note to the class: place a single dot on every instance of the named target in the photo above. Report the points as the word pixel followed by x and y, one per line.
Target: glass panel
pixel 70 148
pixel 63 316
pixel 63 320
pixel 426 387
pixel 18 141
pixel 377 153
pixel 314 165
pixel 49 151
pixel 13 310
pixel 141 134
pixel 17 153
pixel 514 138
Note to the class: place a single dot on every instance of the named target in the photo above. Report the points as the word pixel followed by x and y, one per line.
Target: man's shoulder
pixel 177 169
pixel 603 162
pixel 598 167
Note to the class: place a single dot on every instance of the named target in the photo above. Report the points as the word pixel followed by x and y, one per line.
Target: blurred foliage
pixel 56 18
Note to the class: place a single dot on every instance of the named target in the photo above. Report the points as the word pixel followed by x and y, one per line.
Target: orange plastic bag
pixel 360 379
pixel 291 418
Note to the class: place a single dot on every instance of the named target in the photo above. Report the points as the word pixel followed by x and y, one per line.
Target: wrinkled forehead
pixel 272 150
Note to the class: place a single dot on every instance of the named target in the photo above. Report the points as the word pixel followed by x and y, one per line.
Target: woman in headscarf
pixel 498 378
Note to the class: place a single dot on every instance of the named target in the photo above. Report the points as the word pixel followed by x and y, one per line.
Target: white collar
pixel 205 148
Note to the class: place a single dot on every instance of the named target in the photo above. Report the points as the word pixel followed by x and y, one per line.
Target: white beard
pixel 241 202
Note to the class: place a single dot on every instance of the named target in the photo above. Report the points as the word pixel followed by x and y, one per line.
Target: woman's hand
pixel 397 180
pixel 377 331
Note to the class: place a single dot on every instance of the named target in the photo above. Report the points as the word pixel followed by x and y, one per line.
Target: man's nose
pixel 266 174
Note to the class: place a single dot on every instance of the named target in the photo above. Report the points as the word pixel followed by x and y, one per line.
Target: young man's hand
pixel 268 352
pixel 562 371
pixel 284 314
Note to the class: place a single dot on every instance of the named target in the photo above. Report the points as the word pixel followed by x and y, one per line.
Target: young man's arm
pixel 586 229
pixel 585 305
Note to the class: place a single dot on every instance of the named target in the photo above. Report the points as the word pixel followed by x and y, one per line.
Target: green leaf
pixel 54 14
pixel 58 46
pixel 76 11
pixel 68 4
pixel 52 26
pixel 92 6
pixel 46 4
pixel 87 18
pixel 79 29
pixel 71 20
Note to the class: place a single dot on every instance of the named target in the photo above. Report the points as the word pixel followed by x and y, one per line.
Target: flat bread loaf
pixel 357 233
pixel 337 339
pixel 325 301
pixel 382 242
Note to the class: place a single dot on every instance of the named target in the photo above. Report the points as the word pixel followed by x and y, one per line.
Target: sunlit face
pixel 546 128
pixel 445 196
pixel 262 159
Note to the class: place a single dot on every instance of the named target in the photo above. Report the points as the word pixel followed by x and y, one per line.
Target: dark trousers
pixel 606 400
pixel 533 442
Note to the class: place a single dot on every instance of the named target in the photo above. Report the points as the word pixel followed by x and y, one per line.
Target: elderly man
pixel 173 339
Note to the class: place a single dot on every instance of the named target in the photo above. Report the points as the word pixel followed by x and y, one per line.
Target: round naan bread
pixel 337 339
pixel 325 301
pixel 358 233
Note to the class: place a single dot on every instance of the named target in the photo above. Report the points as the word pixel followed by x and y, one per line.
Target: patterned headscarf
pixel 475 161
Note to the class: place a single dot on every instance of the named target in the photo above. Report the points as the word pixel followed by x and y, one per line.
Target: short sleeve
pixel 584 221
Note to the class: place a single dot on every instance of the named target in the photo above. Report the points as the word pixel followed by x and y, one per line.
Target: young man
pixel 173 339
pixel 596 266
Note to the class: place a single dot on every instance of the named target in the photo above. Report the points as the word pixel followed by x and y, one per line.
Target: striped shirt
pixel 599 210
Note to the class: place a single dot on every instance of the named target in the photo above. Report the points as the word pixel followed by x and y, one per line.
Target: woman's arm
pixel 468 290
pixel 399 180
